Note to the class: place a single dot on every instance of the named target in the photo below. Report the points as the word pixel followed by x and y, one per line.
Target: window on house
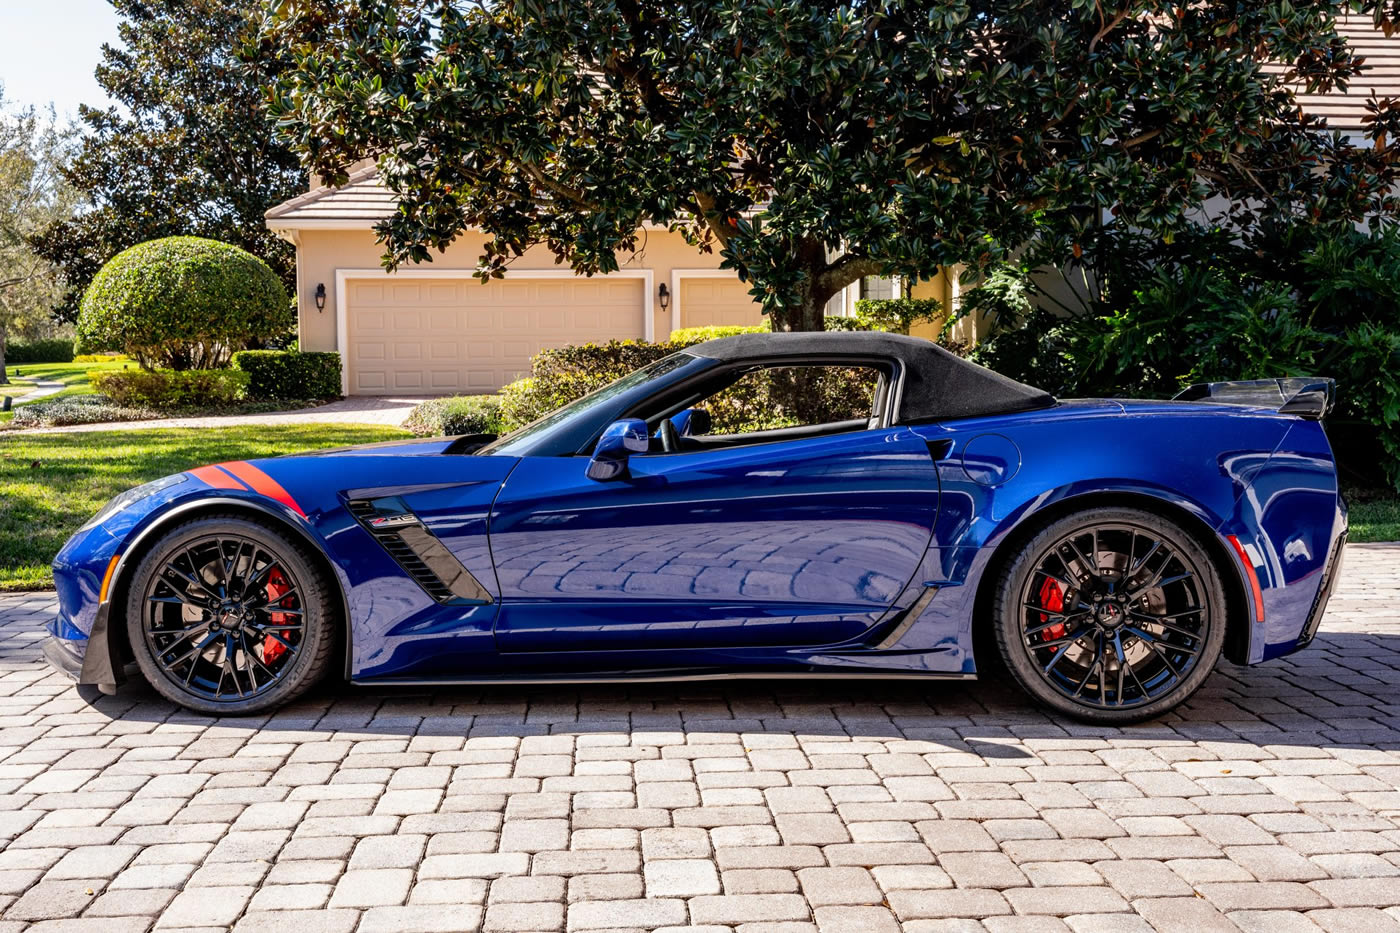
pixel 875 286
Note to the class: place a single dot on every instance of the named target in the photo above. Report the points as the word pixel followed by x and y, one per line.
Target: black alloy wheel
pixel 1111 615
pixel 227 615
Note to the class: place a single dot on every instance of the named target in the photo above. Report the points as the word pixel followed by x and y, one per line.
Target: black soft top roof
pixel 937 384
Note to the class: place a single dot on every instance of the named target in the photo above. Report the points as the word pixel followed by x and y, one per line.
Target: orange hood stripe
pixel 219 479
pixel 261 483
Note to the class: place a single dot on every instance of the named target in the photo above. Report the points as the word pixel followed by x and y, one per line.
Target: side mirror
pixel 620 440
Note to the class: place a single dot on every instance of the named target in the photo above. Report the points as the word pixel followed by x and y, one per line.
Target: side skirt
pixel 654 678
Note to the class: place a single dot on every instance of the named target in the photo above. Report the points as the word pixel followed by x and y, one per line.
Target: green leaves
pixel 188 151
pixel 184 303
pixel 813 144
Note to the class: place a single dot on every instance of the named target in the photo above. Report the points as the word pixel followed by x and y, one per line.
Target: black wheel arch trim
pixel 106 657
pixel 1237 607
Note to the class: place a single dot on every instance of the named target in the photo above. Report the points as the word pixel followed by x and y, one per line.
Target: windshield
pixel 518 442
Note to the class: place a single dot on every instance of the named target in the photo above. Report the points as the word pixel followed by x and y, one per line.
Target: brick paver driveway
pixel 1271 804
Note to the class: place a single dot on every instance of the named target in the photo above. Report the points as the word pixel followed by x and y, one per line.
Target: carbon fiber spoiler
pixel 1310 397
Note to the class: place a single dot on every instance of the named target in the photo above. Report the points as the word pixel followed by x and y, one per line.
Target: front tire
pixel 1110 615
pixel 230 616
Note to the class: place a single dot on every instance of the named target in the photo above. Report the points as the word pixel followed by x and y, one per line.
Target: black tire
pixel 1110 615
pixel 223 595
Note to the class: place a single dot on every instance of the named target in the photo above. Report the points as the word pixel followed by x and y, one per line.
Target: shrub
pixel 562 374
pixel 183 303
pixel 689 336
pixel 461 414
pixel 101 358
pixel 1304 305
pixel 77 409
pixel 163 389
pixel 287 374
pixel 58 350
pixel 896 315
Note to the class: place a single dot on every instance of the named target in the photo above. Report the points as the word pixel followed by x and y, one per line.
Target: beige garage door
pixel 443 336
pixel 717 302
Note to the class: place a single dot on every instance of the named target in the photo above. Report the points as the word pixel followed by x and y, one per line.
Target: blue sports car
pixel 768 505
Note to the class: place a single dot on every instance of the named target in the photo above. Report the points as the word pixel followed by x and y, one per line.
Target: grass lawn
pixel 51 483
pixel 1373 515
pixel 74 377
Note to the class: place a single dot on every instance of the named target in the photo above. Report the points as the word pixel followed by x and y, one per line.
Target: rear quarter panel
pixel 1001 472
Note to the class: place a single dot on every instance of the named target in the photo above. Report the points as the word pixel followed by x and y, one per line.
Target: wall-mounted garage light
pixel 664 294
pixel 320 296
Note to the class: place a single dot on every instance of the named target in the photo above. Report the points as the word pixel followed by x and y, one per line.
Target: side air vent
pixel 419 552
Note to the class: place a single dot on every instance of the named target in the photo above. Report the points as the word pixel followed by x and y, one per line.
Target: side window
pixel 783 397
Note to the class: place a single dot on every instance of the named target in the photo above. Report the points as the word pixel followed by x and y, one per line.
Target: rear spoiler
pixel 1310 397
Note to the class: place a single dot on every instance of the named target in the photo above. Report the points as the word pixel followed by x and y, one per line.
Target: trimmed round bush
pixel 183 303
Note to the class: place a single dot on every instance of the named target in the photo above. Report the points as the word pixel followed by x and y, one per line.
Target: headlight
pixel 132 496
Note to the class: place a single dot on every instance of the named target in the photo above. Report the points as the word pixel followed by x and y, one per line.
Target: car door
pixel 793 543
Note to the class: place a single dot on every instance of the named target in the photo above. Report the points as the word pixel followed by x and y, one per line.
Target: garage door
pixel 443 336
pixel 711 302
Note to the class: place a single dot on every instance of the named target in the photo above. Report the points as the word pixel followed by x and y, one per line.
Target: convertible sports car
pixel 784 505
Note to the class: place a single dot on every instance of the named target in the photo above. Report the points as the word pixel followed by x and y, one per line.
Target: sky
pixel 48 49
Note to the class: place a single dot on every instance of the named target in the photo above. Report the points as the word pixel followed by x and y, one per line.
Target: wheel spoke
pixel 1142 688
pixel 194 652
pixel 1122 663
pixel 1175 629
pixel 1151 642
pixel 1065 585
pixel 252 656
pixel 1091 567
pixel 1045 625
pixel 1055 643
pixel 231 662
pixel 1088 674
pixel 279 609
pixel 267 601
pixel 276 637
pixel 1138 565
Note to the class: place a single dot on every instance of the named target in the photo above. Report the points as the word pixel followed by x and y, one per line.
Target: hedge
pixel 166 388
pixel 58 350
pixel 289 374
pixel 462 414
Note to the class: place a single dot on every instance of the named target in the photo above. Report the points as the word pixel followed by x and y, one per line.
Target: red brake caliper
pixel 277 587
pixel 1053 599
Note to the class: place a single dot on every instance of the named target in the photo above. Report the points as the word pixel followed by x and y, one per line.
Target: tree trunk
pixel 4 335
pixel 809 314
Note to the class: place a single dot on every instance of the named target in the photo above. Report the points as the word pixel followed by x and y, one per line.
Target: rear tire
pixel 1110 615
pixel 230 616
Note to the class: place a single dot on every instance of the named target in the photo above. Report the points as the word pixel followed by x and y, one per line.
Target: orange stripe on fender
pixel 1254 590
pixel 219 479
pixel 260 482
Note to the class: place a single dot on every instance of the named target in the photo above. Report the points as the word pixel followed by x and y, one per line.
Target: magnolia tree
pixel 813 144
pixel 185 150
